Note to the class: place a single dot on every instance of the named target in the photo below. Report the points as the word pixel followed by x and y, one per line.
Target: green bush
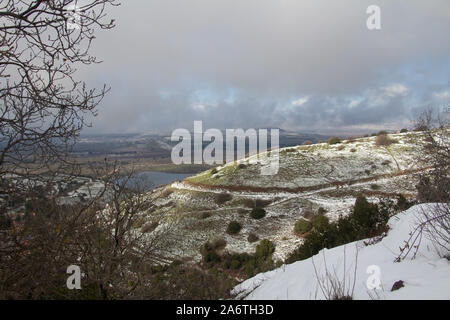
pixel 365 215
pixel 234 227
pixel 211 257
pixel 250 267
pixel 374 186
pixel 235 264
pixel 264 249
pixel 246 264
pixel 403 130
pixel 204 215
pixel 302 226
pixel 334 140
pixel 258 213
pixel 320 222
pixel 402 203
pixel 365 220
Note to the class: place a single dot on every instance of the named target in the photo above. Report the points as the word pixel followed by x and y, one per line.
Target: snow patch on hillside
pixel 427 276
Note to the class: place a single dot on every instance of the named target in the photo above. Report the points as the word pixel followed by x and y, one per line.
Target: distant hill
pixel 309 177
pixel 137 145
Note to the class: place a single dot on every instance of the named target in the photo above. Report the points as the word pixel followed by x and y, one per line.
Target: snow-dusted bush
pixel 302 226
pixel 383 140
pixel 265 248
pixel 320 222
pixel 234 227
pixel 221 198
pixel 334 140
pixel 258 213
pixel 252 238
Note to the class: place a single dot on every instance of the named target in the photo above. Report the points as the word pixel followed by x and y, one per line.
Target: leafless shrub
pixel 249 203
pixel 252 237
pixel 433 186
pixel 383 140
pixel 262 203
pixel 218 243
pixel 149 227
pixel 166 192
pixel 256 203
pixel 307 214
pixel 434 149
pixel 221 198
pixel 433 223
pixel 334 287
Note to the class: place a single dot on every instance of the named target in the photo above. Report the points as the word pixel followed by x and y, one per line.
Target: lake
pixel 154 179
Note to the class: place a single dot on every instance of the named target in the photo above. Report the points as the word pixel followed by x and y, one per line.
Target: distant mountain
pixel 145 145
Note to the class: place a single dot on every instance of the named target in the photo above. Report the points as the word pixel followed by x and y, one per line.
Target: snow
pixel 427 276
pixel 309 177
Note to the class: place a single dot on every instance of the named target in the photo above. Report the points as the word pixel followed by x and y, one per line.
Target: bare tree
pixel 433 187
pixel 434 149
pixel 107 242
pixel 43 108
pixel 43 105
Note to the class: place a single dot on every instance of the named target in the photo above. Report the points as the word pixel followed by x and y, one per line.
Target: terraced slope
pixel 309 177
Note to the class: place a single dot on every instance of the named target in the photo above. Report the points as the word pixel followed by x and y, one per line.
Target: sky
pixel 303 65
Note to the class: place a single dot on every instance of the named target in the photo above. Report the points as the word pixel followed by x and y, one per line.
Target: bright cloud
pixel 300 102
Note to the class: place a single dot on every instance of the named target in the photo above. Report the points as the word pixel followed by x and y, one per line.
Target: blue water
pixel 154 179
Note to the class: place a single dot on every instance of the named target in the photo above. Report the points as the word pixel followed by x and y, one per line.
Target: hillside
pixel 309 177
pixel 427 276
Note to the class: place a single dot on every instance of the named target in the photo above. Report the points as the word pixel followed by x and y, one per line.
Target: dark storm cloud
pixel 299 64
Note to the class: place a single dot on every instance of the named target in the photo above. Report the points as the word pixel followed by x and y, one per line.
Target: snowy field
pixel 358 268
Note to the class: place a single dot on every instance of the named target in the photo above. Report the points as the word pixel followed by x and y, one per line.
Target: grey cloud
pixel 270 53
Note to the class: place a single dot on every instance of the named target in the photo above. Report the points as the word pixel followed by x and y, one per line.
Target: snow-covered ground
pixel 309 177
pixel 427 276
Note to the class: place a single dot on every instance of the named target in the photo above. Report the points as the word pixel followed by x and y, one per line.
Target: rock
pixel 397 285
